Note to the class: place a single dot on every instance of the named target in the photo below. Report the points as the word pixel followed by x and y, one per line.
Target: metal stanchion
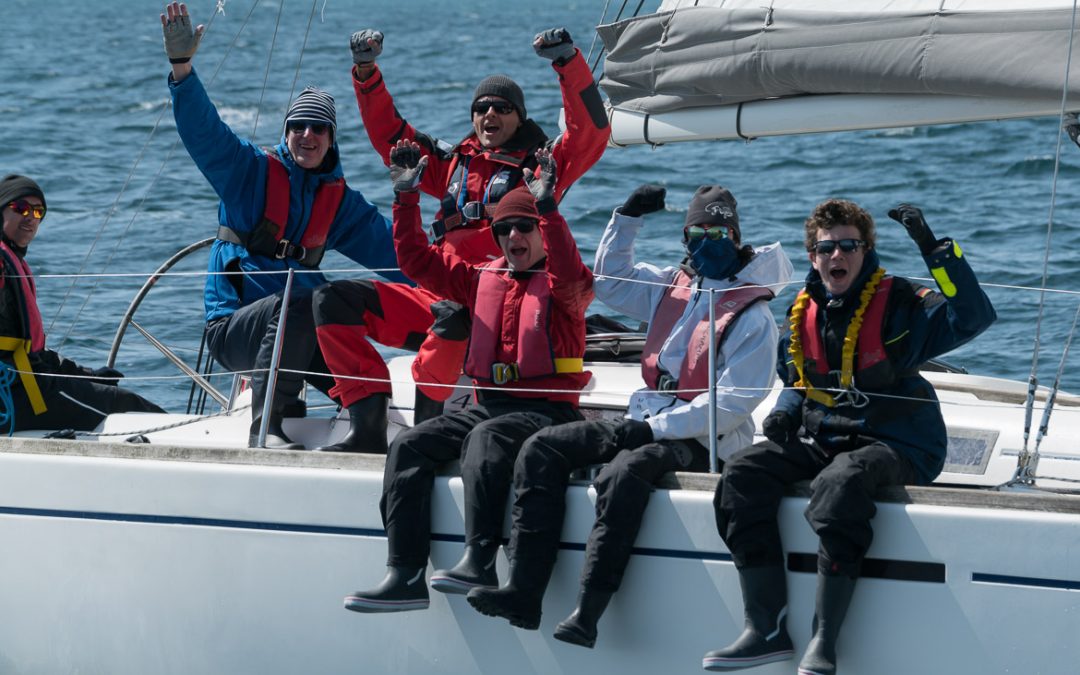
pixel 713 462
pixel 275 359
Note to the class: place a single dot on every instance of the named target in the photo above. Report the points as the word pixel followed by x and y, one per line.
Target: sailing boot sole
pixel 574 635
pixel 728 663
pixel 372 606
pixel 455 586
pixel 516 619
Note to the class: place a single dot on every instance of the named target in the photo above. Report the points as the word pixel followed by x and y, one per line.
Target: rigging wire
pixel 1024 458
pixel 266 74
pixel 592 44
pixel 220 8
pixel 600 55
pixel 303 48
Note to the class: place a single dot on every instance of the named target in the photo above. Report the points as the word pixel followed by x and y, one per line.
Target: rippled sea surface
pixel 82 110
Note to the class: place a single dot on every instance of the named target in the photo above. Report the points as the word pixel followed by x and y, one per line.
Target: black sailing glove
pixel 406 166
pixel 366 45
pixel 1071 125
pixel 644 199
pixel 911 218
pixel 632 434
pixel 780 427
pixel 105 375
pixel 542 183
pixel 555 44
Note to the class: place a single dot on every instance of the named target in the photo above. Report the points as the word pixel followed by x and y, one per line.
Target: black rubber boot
pixel 367 427
pixel 521 599
pixel 476 568
pixel 833 598
pixel 401 590
pixel 425 407
pixel 275 435
pixel 580 627
pixel 764 638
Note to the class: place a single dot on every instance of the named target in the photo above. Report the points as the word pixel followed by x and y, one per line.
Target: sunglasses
pixel 503 227
pixel 25 208
pixel 501 107
pixel 713 232
pixel 317 128
pixel 845 245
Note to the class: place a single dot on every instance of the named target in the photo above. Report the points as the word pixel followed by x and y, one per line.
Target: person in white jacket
pixel 667 424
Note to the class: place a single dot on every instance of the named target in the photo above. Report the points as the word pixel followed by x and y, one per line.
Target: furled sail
pixel 731 68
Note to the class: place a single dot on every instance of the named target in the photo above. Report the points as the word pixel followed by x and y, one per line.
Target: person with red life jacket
pixel 47 390
pixel 667 424
pixel 855 416
pixel 525 353
pixel 281 209
pixel 469 179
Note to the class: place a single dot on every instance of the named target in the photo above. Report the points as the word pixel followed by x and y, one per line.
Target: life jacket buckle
pixel 666 383
pixel 473 211
pixel 286 249
pixel 501 373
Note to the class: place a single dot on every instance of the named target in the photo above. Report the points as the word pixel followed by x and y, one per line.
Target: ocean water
pixel 83 110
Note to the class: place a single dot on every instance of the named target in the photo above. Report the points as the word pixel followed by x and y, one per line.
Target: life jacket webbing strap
pixel 20 351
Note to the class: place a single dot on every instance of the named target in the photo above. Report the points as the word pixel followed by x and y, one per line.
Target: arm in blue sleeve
pixel 366 237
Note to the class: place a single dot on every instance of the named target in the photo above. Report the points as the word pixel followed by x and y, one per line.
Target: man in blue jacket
pixel 280 209
pixel 850 365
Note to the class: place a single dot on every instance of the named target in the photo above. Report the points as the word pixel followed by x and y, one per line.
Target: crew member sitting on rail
pixel 667 427
pixel 525 352
pixel 47 390
pixel 855 416
pixel 281 209
pixel 469 179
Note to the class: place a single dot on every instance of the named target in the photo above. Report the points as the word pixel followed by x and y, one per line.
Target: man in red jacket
pixel 525 350
pixel 469 179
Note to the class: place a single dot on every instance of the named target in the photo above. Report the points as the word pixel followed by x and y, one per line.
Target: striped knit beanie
pixel 313 105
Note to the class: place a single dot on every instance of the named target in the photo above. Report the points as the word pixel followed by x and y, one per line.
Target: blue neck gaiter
pixel 716 259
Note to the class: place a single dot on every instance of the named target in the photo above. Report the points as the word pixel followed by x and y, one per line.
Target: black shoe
pixel 764 638
pixel 833 598
pixel 276 439
pixel 401 590
pixel 475 569
pixel 367 427
pixel 425 407
pixel 522 608
pixel 580 627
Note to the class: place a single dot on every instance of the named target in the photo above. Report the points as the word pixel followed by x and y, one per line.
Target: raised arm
pixel 438 271
pixel 587 130
pixel 383 123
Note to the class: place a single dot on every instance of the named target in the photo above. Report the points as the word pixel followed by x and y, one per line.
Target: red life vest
pixel 872 365
pixel 536 356
pixel 27 296
pixel 33 338
pixel 694 372
pixel 267 238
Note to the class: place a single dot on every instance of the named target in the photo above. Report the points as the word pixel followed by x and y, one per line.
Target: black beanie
pixel 503 87
pixel 13 187
pixel 713 205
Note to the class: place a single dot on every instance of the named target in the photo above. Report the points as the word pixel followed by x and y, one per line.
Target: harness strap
pixel 20 351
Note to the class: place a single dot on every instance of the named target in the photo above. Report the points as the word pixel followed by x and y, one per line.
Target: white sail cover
pixel 690 55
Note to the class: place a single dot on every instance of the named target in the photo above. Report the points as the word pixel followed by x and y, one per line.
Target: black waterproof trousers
pixel 841 503
pixel 244 341
pixel 72 403
pixel 487 437
pixel 623 487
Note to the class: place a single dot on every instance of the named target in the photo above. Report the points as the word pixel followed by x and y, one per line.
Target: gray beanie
pixel 503 87
pixel 14 186
pixel 313 105
pixel 713 205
